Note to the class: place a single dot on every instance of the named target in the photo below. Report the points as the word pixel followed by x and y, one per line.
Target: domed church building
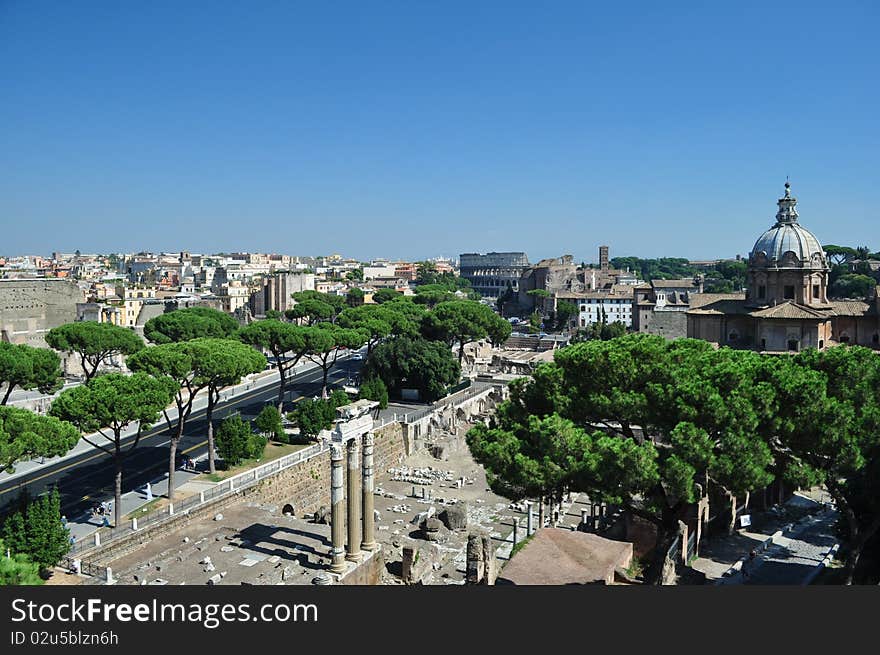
pixel 786 307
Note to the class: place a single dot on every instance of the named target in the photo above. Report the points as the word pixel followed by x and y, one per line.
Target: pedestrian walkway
pixel 788 546
pixel 86 524
pixel 794 557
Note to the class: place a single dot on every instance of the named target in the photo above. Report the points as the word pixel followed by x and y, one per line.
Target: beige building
pixel 786 307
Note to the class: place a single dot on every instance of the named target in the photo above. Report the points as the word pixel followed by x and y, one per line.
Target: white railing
pixel 221 489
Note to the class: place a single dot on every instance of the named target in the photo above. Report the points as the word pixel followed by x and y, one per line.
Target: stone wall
pixel 129 543
pixel 30 308
pixel 306 486
pixel 672 325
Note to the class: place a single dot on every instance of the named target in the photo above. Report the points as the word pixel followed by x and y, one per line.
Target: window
pixel 816 291
pixel 733 336
pixel 788 292
pixel 793 344
pixel 762 291
pixel 763 344
pixel 875 338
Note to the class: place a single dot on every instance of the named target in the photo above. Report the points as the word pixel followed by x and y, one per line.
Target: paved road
pixel 87 477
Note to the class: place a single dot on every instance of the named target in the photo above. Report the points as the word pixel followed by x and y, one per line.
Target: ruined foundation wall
pixel 306 486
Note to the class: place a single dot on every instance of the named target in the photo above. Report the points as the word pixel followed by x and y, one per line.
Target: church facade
pixel 786 307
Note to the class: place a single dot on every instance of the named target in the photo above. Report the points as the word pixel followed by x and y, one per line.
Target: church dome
pixel 788 244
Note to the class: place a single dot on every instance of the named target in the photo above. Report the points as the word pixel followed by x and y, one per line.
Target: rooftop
pixel 556 556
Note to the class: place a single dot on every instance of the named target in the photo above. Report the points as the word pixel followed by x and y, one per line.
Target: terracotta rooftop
pixel 685 283
pixel 556 556
pixel 791 309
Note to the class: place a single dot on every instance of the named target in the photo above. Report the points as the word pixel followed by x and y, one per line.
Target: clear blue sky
pixel 416 129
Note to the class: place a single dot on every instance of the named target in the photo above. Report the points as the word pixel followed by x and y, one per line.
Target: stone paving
pixel 797 537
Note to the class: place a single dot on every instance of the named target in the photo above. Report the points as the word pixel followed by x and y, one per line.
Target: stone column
pixel 541 513
pixel 337 536
pixel 353 548
pixel 369 538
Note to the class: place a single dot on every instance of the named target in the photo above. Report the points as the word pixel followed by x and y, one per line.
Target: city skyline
pixel 408 131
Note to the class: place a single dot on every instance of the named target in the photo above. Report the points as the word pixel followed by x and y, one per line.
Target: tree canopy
pixel 26 367
pixel 219 363
pixel 384 295
pixel 189 323
pixel 376 320
pixel 324 342
pixel 279 338
pixel 25 435
pixel 852 285
pixel 464 321
pixel 413 363
pixel 111 403
pixel 94 343
pixel 636 421
pixel 314 307
pixel 36 531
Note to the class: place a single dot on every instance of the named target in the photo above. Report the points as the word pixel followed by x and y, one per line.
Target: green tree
pixel 565 312
pixel 432 295
pixel 852 285
pixel 108 405
pixel 25 435
pixel 355 297
pixel 94 343
pixel 37 531
pixel 315 307
pixel 375 320
pixel 278 338
pixel 18 569
pixel 828 431
pixel 324 342
pixel 374 389
pixel 274 314
pixel 660 421
pixel 312 416
pixel 355 275
pixel 464 321
pixel 173 361
pixel 190 323
pixel 268 422
pixel 413 363
pixel 338 398
pixel 220 363
pixel 839 254
pixel 384 295
pixel 405 316
pixel 234 440
pixel 535 322
pixel 28 368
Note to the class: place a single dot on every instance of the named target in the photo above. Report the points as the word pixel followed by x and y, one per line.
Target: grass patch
pixel 273 450
pixel 636 568
pixel 155 504
pixel 518 547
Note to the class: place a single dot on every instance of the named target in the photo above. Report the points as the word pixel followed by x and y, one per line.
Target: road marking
pixel 152 433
